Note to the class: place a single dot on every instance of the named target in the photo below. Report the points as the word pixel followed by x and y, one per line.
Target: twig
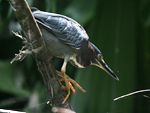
pixel 9 111
pixel 131 94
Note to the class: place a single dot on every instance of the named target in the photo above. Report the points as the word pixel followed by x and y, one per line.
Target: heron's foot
pixel 68 93
pixel 70 81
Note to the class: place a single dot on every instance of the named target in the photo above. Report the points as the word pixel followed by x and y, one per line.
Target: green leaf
pixel 81 10
pixel 7 81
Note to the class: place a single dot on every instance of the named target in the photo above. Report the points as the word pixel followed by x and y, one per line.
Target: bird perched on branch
pixel 67 39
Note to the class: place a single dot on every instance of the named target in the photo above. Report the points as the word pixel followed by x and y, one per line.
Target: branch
pixel 35 43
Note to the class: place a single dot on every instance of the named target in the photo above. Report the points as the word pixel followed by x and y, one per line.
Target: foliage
pixel 119 28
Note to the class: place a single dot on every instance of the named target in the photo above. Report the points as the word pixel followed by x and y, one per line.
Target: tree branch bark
pixel 36 44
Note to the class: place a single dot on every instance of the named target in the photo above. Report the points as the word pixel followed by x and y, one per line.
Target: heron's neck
pixel 83 56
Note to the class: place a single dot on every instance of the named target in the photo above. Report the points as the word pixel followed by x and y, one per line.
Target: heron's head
pixel 97 59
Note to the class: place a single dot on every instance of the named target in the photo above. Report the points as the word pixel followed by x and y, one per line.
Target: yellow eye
pixel 99 57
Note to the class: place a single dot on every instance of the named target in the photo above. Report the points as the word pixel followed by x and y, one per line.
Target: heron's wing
pixel 64 28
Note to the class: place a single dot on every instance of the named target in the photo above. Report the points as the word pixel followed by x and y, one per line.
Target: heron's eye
pixel 99 57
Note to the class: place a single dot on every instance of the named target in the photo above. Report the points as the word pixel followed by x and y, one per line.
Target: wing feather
pixel 64 28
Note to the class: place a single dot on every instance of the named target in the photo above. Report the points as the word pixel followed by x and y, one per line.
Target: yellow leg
pixel 67 87
pixel 73 90
pixel 72 81
pixel 68 93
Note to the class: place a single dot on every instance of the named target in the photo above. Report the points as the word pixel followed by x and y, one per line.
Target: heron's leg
pixel 70 81
pixel 67 87
pixel 71 87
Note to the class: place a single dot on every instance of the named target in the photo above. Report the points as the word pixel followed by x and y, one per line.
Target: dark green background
pixel 119 28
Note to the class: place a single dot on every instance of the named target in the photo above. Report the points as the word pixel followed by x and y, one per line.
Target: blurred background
pixel 119 28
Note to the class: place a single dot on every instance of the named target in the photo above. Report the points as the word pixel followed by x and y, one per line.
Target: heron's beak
pixel 104 66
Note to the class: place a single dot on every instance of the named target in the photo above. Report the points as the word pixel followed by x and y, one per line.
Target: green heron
pixel 67 39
